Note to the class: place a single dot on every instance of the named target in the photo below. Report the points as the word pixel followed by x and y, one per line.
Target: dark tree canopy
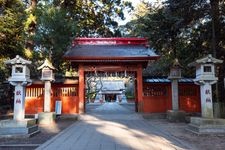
pixel 37 29
pixel 186 30
pixel 12 16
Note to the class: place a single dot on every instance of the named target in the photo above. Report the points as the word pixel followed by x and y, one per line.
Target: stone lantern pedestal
pixel 19 126
pixel 175 115
pixel 205 77
pixel 47 117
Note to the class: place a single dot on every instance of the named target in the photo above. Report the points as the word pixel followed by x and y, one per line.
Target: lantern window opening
pixel 18 69
pixel 207 69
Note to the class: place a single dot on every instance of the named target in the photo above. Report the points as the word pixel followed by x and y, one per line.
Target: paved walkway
pixel 112 127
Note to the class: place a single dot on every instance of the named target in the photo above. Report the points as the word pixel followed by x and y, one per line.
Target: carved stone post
pixel 20 78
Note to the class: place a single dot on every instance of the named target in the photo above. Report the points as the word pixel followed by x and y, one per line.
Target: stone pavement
pixel 111 126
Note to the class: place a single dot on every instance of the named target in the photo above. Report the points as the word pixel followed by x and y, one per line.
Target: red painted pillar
pixel 139 100
pixel 81 89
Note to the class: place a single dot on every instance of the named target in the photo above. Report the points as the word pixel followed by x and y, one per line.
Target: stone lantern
pixel 175 70
pixel 175 74
pixel 47 76
pixel 20 78
pixel 47 71
pixel 205 77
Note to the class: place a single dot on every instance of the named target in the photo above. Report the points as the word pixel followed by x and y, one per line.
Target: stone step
pixel 193 128
pixel 20 132
pixel 206 128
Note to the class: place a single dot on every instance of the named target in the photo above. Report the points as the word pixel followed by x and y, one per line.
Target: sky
pixel 134 3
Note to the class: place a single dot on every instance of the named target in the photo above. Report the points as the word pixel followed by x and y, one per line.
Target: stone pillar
pixel 175 115
pixel 47 117
pixel 19 102
pixel 175 103
pixel 47 97
pixel 206 100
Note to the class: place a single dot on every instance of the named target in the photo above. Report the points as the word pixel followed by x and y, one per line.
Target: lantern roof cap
pixel 18 60
pixel 47 64
pixel 176 63
pixel 205 60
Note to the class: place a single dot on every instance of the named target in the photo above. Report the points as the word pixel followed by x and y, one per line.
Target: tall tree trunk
pixel 217 52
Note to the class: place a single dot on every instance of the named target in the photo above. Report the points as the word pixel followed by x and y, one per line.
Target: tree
pixel 53 24
pixel 96 17
pixel 54 32
pixel 11 28
pixel 186 30
pixel 93 86
pixel 12 16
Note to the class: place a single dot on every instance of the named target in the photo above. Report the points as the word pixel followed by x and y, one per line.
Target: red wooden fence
pixel 67 93
pixel 158 97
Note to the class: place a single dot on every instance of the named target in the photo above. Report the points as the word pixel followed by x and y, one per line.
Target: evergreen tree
pixel 186 30
pixel 12 16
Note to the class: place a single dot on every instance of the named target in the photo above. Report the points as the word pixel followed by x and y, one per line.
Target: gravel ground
pixel 198 142
pixel 177 130
pixel 47 132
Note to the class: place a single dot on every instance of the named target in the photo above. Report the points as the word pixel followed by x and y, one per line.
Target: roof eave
pixel 140 58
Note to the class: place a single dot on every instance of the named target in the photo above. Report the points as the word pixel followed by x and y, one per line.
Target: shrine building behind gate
pixel 91 56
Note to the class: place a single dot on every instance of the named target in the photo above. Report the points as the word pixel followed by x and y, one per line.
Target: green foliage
pixel 181 29
pixel 12 17
pixel 11 28
pixel 54 32
pixel 58 22
pixel 43 28
pixel 4 72
pixel 96 17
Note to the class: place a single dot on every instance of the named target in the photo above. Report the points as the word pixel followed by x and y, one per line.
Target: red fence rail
pixel 67 93
pixel 158 97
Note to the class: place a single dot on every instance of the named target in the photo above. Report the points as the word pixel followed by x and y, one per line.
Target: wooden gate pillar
pixel 139 89
pixel 81 89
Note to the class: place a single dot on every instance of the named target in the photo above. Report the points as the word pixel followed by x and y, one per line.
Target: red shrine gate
pixel 110 55
pixel 107 55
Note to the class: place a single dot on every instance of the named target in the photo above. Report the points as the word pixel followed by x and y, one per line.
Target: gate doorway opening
pixel 110 92
pixel 104 86
pixel 110 97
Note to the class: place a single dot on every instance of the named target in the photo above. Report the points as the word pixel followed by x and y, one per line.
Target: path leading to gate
pixel 111 126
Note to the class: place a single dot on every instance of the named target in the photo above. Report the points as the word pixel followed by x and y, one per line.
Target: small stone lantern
pixel 175 74
pixel 47 117
pixel 47 71
pixel 175 70
pixel 47 76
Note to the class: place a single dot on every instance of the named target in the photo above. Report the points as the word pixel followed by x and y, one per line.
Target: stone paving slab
pixel 107 129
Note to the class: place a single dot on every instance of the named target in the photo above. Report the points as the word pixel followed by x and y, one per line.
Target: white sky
pixel 134 3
